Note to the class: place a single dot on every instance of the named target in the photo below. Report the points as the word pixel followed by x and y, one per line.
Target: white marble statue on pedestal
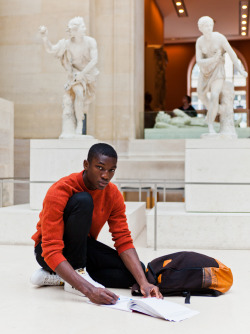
pixel 210 57
pixel 78 56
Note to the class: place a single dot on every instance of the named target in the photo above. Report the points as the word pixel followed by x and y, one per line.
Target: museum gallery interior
pixel 166 83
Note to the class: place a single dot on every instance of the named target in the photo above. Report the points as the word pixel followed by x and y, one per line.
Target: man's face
pixel 185 100
pixel 99 171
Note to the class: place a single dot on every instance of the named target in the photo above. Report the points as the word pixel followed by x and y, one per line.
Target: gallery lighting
pixel 243 17
pixel 180 8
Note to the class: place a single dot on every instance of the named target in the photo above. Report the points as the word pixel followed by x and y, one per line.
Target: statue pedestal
pixel 219 135
pixel 217 175
pixel 51 159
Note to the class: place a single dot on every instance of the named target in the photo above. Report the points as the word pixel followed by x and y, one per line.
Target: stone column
pixel 118 27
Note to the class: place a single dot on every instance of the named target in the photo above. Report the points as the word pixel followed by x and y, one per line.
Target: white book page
pixel 154 307
pixel 162 309
pixel 121 304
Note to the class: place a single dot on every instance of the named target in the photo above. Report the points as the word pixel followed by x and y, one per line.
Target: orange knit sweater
pixel 108 206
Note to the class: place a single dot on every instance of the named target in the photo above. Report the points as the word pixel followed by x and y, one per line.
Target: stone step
pixel 147 169
pixel 155 148
pixel 18 223
pixel 177 228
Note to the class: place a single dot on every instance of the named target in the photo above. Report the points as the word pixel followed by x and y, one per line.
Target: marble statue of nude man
pixel 210 57
pixel 78 56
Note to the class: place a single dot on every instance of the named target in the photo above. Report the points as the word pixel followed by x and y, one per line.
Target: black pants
pixel 102 262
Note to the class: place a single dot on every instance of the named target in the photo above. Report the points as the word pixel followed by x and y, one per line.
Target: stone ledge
pixel 18 223
pixel 177 228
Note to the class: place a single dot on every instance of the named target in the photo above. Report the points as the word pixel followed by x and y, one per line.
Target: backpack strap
pixel 187 296
pixel 153 273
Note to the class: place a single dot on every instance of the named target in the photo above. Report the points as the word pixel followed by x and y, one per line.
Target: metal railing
pixel 156 186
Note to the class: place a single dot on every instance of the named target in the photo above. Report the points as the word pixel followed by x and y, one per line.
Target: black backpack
pixel 186 273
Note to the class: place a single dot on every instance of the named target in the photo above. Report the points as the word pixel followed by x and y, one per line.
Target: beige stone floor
pixel 28 309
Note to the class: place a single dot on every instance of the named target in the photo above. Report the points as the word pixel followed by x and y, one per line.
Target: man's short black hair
pixel 101 149
pixel 188 98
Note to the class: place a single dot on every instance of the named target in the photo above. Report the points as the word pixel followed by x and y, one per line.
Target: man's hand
pixel 150 290
pixel 96 295
pixel 102 296
pixel 132 262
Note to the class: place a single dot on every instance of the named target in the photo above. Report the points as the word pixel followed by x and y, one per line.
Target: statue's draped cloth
pixel 210 73
pixel 88 83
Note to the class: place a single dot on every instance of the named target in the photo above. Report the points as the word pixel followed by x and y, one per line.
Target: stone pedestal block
pixel 179 229
pixel 18 224
pixel 51 159
pixel 217 175
pixel 6 151
pixel 152 160
pixel 21 170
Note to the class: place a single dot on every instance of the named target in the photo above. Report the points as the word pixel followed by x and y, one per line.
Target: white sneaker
pixel 42 277
pixel 85 275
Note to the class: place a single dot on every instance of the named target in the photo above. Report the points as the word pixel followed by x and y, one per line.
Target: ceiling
pixel 184 29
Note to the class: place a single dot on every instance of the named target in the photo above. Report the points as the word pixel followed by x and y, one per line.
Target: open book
pixel 163 309
pixel 154 307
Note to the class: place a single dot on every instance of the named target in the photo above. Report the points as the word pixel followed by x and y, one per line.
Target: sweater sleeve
pixel 118 225
pixel 52 228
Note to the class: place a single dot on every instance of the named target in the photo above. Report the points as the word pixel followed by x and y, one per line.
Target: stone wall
pixel 34 79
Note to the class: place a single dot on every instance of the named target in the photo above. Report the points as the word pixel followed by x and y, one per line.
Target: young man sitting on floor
pixel 74 211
